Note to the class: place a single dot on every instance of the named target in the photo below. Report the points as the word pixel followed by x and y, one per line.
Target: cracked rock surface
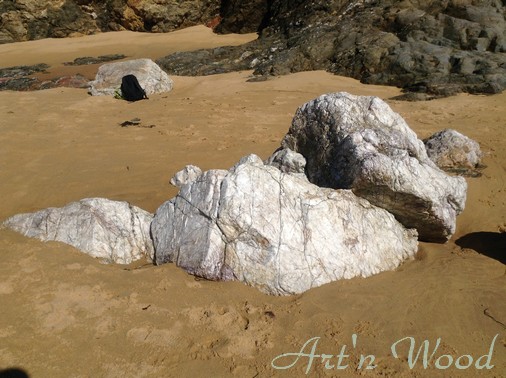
pixel 276 231
pixel 359 143
pixel 113 231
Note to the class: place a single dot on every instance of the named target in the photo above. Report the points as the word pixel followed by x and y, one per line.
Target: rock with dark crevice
pixel 151 77
pixel 275 231
pixel 359 143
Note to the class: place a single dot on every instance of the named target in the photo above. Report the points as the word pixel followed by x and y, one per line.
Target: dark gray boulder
pixel 239 16
pixel 436 48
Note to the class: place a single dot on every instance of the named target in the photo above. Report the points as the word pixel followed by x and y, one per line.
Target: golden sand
pixel 64 314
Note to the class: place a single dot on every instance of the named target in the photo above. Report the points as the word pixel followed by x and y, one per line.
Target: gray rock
pixel 453 152
pixel 115 232
pixel 185 232
pixel 288 161
pixel 239 16
pixel 151 77
pixel 86 60
pixel 185 176
pixel 359 143
pixel 438 48
pixel 276 231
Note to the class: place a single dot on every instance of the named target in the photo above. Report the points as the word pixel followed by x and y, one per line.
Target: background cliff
pixel 429 48
pixel 24 20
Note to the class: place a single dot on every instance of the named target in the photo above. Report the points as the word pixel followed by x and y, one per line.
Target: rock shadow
pixel 491 244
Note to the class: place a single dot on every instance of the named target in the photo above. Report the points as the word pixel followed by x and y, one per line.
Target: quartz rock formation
pixel 109 230
pixel 151 77
pixel 288 161
pixel 276 231
pixel 359 143
pixel 185 232
pixel 186 175
pixel 451 151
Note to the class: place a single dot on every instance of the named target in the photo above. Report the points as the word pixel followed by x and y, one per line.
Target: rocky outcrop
pixel 239 16
pixel 453 152
pixel 85 60
pixel 30 19
pixel 150 76
pixel 430 49
pixel 359 143
pixel 275 231
pixel 109 230
pixel 164 15
pixel 437 48
pixel 19 78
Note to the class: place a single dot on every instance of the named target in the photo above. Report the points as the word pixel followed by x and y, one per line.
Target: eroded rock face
pixel 150 76
pixel 36 19
pixel 276 231
pixel 239 16
pixel 359 143
pixel 453 152
pixel 438 48
pixel 429 48
pixel 115 232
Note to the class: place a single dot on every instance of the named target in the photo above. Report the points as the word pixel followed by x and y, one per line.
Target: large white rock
pixel 276 231
pixel 185 232
pixel 359 143
pixel 150 76
pixel 113 231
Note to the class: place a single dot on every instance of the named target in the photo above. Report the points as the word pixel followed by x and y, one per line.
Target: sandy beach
pixel 63 314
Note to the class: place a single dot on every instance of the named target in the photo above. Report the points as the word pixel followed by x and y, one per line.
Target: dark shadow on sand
pixel 13 373
pixel 491 244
